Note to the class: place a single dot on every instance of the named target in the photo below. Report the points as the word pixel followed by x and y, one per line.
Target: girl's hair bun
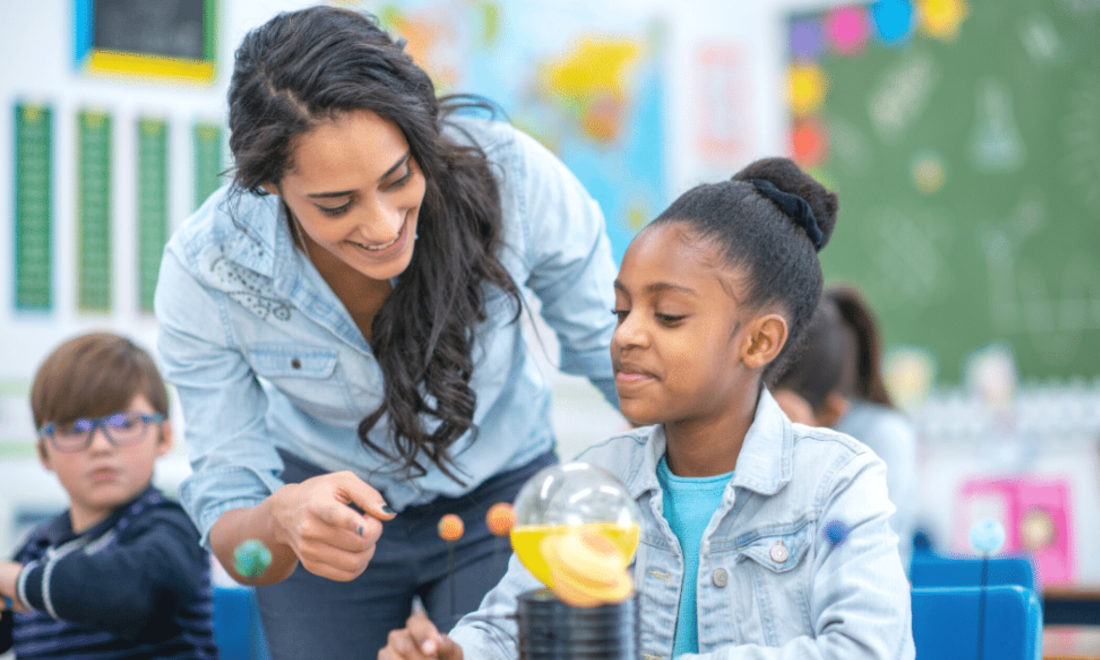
pixel 788 177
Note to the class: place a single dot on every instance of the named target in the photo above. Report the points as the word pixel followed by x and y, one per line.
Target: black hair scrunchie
pixel 794 206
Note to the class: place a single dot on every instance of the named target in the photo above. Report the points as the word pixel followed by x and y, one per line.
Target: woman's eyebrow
pixel 344 193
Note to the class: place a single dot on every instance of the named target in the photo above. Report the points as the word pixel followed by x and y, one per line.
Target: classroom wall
pixel 36 53
pixel 729 56
pixel 37 57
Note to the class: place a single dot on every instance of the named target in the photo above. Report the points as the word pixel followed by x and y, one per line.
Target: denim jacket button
pixel 720 577
pixel 779 552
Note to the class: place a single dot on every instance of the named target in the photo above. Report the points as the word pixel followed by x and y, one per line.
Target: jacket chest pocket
pixel 309 376
pixel 774 573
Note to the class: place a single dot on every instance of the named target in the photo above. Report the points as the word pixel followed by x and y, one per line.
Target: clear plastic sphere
pixel 575 494
pixel 566 498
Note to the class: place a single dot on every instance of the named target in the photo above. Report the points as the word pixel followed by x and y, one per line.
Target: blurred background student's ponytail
pixel 871 417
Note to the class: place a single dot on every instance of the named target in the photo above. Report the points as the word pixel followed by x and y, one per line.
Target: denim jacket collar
pixel 266 247
pixel 763 466
pixel 255 247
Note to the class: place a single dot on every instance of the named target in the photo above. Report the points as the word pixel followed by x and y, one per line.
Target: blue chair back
pixel 930 570
pixel 237 628
pixel 946 624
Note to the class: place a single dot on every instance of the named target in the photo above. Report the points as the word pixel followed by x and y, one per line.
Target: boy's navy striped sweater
pixel 137 585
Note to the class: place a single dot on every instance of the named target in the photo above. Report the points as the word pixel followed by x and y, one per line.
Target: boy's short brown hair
pixel 94 375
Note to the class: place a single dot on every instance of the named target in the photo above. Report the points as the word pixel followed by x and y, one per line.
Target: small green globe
pixel 251 558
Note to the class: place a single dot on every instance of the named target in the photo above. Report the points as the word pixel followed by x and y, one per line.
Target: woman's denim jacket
pixel 810 600
pixel 264 356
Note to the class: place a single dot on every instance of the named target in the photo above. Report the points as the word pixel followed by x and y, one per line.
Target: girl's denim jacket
pixel 810 600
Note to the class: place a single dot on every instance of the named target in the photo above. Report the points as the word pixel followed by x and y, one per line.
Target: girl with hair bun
pixel 760 538
pixel 341 326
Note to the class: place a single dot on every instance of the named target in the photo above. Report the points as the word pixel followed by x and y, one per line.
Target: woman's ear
pixel 765 338
pixel 270 188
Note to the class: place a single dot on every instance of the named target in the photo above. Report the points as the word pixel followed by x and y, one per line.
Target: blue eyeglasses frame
pixel 89 425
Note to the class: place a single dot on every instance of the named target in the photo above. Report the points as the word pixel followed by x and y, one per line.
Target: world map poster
pixel 587 85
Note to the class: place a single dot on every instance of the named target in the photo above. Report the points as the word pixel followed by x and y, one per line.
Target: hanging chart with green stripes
pixel 207 159
pixel 94 210
pixel 152 205
pixel 33 206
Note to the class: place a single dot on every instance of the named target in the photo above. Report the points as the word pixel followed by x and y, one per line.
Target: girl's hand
pixel 330 538
pixel 419 640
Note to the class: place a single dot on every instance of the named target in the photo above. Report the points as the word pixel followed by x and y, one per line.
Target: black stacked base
pixel 551 630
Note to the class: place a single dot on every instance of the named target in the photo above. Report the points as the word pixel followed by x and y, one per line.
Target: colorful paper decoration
pixel 941 19
pixel 847 29
pixel 806 87
pixel 893 20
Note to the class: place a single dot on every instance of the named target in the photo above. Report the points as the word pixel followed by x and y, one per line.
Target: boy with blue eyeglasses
pixel 121 573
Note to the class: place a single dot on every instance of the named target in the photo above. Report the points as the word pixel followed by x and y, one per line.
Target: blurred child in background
pixel 121 573
pixel 836 381
pixel 808 388
pixel 872 417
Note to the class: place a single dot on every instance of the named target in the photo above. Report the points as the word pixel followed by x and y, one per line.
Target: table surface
pixel 1071 643
pixel 1072 592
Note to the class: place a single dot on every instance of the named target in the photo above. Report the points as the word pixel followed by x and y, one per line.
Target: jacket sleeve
pixel 860 604
pixel 894 439
pixel 490 632
pixel 132 586
pixel 234 464
pixel 572 271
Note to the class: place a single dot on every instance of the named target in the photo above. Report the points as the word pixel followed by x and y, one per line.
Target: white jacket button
pixel 720 577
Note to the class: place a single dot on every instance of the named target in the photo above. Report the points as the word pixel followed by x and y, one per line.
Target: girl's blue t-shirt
pixel 689 504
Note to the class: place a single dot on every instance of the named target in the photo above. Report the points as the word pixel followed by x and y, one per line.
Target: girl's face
pixel 678 348
pixel 356 191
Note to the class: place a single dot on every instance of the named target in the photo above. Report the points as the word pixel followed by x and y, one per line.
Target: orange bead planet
pixel 451 527
pixel 501 518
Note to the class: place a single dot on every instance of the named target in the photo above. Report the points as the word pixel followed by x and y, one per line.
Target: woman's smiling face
pixel 356 192
pixel 676 350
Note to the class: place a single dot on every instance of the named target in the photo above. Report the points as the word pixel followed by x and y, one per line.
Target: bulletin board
pixel 964 142
pixel 164 39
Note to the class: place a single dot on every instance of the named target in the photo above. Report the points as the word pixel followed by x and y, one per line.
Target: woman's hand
pixel 419 640
pixel 330 538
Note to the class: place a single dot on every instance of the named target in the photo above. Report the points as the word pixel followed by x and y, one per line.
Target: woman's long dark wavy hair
pixel 306 67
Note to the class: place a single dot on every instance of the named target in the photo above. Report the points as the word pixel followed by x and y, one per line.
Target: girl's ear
pixel 270 188
pixel 765 338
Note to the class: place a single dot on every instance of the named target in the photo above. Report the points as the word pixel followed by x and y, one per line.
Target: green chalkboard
pixel 968 169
